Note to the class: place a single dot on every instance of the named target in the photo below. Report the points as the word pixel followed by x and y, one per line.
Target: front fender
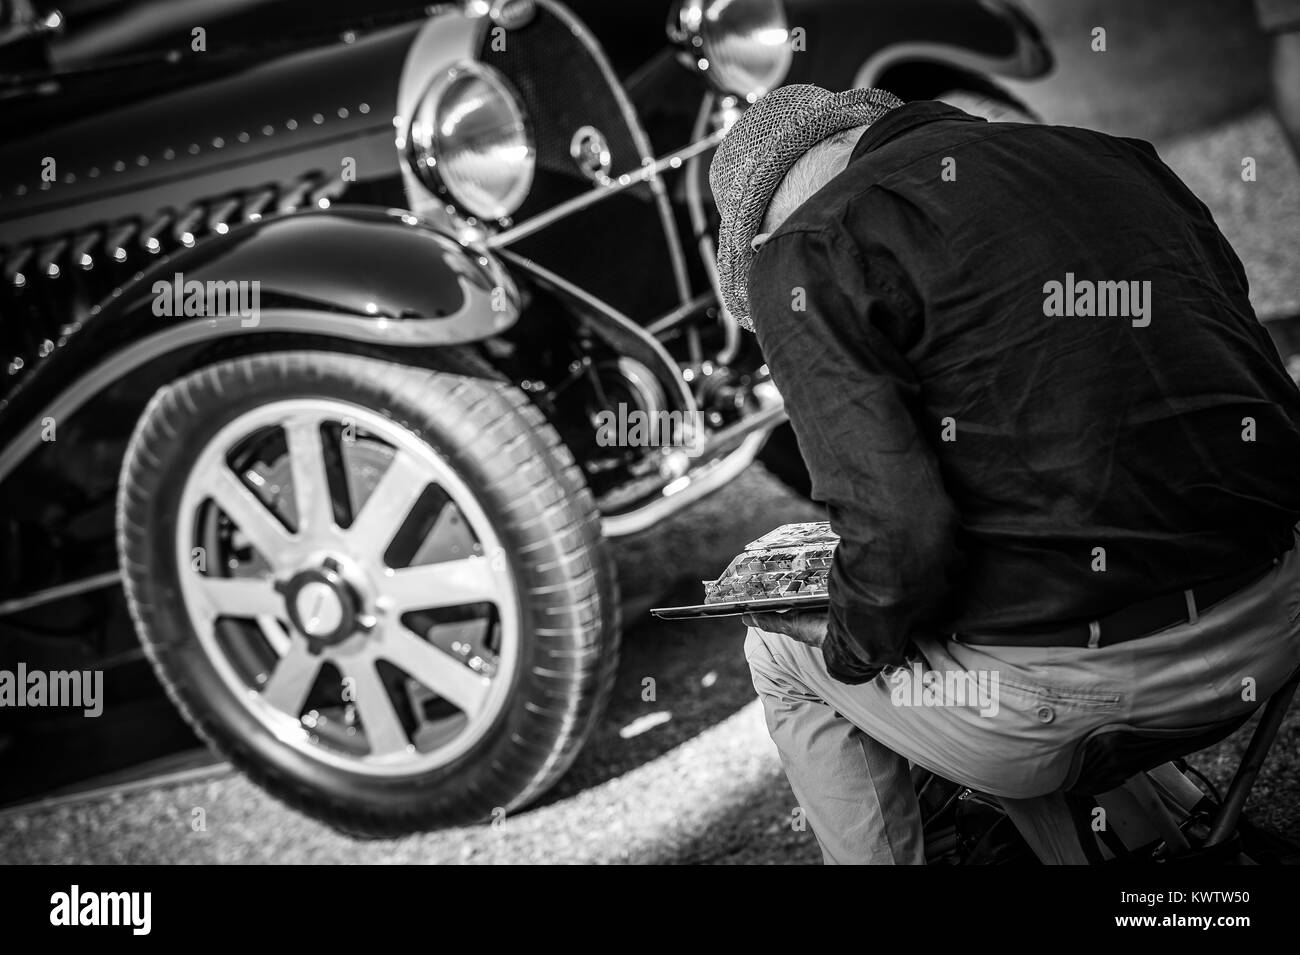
pixel 388 268
pixel 851 43
pixel 991 37
pixel 360 274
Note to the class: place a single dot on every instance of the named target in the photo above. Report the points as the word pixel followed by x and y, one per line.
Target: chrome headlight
pixel 471 143
pixel 742 45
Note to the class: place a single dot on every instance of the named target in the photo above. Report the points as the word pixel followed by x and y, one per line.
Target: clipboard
pixel 785 569
pixel 734 608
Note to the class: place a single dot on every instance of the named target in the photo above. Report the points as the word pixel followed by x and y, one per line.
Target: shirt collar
pixel 899 120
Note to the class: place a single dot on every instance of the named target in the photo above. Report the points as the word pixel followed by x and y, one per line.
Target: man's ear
pixel 756 243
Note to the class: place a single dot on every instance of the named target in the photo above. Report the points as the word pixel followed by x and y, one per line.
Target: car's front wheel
pixel 380 591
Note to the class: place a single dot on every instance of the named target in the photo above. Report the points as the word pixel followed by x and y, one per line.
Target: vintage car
pixel 337 338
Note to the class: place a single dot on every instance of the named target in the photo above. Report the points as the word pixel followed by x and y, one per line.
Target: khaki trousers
pixel 1004 720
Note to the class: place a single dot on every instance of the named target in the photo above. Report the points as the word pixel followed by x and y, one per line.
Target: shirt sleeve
pixel 828 331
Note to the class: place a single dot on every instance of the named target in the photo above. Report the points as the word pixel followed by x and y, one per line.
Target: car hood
pixel 162 139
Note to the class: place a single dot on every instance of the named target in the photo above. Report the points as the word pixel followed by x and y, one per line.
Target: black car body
pixel 450 239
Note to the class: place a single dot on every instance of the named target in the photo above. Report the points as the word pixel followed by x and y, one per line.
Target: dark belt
pixel 1137 620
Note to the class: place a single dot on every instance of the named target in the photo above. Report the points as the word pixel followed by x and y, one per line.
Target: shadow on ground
pixel 677 678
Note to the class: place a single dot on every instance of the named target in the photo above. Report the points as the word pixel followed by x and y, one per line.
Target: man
pixel 1060 451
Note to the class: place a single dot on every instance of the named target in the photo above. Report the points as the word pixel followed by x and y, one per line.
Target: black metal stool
pixel 1118 757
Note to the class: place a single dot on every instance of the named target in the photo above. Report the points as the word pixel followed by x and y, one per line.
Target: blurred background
pixel 1191 76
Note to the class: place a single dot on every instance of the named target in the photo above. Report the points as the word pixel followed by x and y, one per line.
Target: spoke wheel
pixel 379 590
pixel 290 585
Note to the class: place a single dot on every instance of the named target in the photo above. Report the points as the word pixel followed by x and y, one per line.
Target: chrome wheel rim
pixel 285 572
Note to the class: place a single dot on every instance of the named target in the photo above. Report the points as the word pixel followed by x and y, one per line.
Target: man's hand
pixel 806 626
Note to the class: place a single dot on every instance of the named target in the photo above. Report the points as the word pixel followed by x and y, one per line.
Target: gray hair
pixel 818 166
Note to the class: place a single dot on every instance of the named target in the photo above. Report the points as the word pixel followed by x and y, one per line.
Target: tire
pixel 780 455
pixel 495 542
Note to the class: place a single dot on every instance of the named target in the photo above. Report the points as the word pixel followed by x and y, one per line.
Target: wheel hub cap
pixel 322 606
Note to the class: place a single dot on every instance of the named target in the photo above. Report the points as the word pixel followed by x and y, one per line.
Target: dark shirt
pixel 991 468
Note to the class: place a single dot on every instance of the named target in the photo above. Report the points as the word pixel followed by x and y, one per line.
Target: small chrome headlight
pixel 741 45
pixel 470 141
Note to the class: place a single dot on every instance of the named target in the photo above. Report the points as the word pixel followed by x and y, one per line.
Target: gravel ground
pixel 1261 219
pixel 700 781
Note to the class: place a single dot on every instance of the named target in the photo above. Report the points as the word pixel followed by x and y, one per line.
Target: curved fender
pixel 999 38
pixel 361 274
pixel 858 43
pixel 414 284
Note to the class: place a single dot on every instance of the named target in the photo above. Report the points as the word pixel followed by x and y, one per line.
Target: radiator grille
pixel 617 249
